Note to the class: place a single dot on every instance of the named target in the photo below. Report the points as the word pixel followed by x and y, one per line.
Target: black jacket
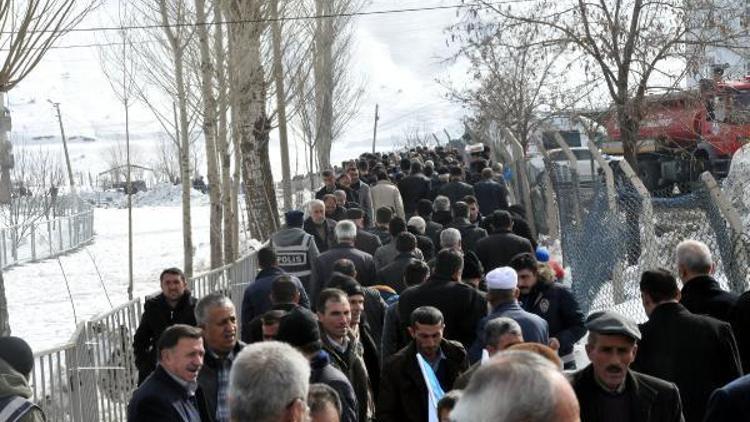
pixel 208 379
pixel 557 305
pixel 741 327
pixel 491 196
pixel 432 230
pixel 322 242
pixel 321 371
pixel 413 188
pixel 498 249
pixel 702 295
pixel 393 274
pixel 403 393
pixel 470 234
pixel 363 262
pixel 367 242
pixel 695 352
pixel 456 190
pixel 462 306
pixel 381 233
pixel 651 399
pixel 730 403
pixel 161 398
pixel 252 332
pixel 157 317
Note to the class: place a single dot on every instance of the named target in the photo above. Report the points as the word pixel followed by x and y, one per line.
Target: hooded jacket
pixel 13 386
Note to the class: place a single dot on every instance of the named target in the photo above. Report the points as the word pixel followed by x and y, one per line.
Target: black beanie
pixel 17 353
pixel 298 328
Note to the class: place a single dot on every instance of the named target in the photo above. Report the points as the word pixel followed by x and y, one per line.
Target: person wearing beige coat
pixel 386 194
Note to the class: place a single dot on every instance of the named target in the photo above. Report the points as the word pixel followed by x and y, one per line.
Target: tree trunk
pixel 187 234
pixel 323 68
pixel 4 317
pixel 222 142
pixel 278 76
pixel 629 137
pixel 209 134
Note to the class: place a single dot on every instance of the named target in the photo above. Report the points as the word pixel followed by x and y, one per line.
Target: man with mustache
pixel 608 390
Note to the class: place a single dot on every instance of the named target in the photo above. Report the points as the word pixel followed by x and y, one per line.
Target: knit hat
pixel 298 328
pixel 294 218
pixel 17 353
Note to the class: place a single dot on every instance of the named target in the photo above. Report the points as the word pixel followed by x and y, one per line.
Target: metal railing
pixel 93 375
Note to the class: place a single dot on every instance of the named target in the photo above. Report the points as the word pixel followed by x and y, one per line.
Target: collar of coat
pixel 700 283
pixel 641 395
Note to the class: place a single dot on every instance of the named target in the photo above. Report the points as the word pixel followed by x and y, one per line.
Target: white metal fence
pixel 92 377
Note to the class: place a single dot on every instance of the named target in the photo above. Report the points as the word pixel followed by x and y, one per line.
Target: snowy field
pixel 39 307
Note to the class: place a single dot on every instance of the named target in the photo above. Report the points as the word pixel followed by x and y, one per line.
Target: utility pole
pixel 375 130
pixel 65 146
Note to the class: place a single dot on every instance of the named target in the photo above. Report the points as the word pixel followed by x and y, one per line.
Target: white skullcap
pixel 502 278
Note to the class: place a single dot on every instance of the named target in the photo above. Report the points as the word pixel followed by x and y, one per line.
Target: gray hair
pixel 496 328
pixel 340 194
pixel 418 223
pixel 441 203
pixel 694 256
pixel 450 238
pixel 513 386
pixel 345 230
pixel 210 301
pixel 315 203
pixel 265 378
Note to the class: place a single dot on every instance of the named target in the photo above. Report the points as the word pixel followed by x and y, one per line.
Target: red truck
pixel 683 134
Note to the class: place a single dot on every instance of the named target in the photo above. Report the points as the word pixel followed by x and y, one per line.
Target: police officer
pixel 295 249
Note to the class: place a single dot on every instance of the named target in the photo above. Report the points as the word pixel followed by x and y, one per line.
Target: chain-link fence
pixel 612 229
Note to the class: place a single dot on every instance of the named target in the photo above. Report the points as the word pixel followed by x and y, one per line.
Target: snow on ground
pixel 39 307
pixel 165 195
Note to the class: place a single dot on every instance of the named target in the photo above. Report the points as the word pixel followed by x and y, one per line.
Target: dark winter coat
pixel 462 306
pixel 521 226
pixel 253 331
pixel 651 399
pixel 322 242
pixel 741 327
pixel 533 327
pixel 208 379
pixel 387 253
pixel 470 234
pixel 394 337
pixel 382 234
pixel 730 403
pixel 322 372
pixel 338 214
pixel 491 196
pixel 498 249
pixel 157 317
pixel 352 364
pixel 556 304
pixel 456 190
pixel 432 230
pixel 413 188
pixel 702 295
pixel 374 313
pixel 403 393
pixel 363 262
pixel 325 190
pixel 161 398
pixel 256 299
pixel 696 352
pixel 393 274
pixel 367 242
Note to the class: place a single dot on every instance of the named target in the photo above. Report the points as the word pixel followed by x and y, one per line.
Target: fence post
pixel 70 232
pixel 646 218
pixel 573 165
pixel 33 242
pixel 14 243
pixel 523 179
pixel 609 176
pixel 59 235
pixel 499 147
pixel 49 237
pixel 550 210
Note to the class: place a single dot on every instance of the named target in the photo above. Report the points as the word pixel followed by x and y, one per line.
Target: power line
pixel 282 18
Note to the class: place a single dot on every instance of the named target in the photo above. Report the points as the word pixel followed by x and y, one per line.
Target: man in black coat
pixel 608 390
pixel 365 241
pixel 320 227
pixel 696 352
pixel 403 391
pixel 216 317
pixel 171 393
pixel 520 225
pixel 470 234
pixel 499 248
pixel 462 306
pixel 490 194
pixel 392 274
pixel 701 293
pixel 741 328
pixel 329 184
pixel 553 302
pixel 346 233
pixel 174 305
pixel 432 229
pixel 730 403
pixel 414 187
pixel 456 189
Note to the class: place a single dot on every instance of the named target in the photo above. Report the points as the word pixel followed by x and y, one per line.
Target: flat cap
pixel 354 214
pixel 612 323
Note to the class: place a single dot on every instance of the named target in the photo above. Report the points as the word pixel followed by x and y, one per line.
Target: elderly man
pixel 171 393
pixel 346 234
pixel 215 315
pixel 675 339
pixel 499 334
pixel 319 226
pixel 417 226
pixel 502 294
pixel 365 241
pixel 607 388
pixel 174 305
pixel 269 382
pixel 701 293
pixel 518 386
pixel 403 389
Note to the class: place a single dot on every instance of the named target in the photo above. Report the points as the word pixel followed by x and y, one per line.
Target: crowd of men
pixel 411 290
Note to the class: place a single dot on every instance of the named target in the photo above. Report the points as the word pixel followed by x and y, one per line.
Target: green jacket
pixel 14 384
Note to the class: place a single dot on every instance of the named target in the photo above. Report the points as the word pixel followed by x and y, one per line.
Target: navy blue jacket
pixel 321 371
pixel 557 305
pixel 257 300
pixel 730 403
pixel 491 196
pixel 533 327
pixel 161 398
